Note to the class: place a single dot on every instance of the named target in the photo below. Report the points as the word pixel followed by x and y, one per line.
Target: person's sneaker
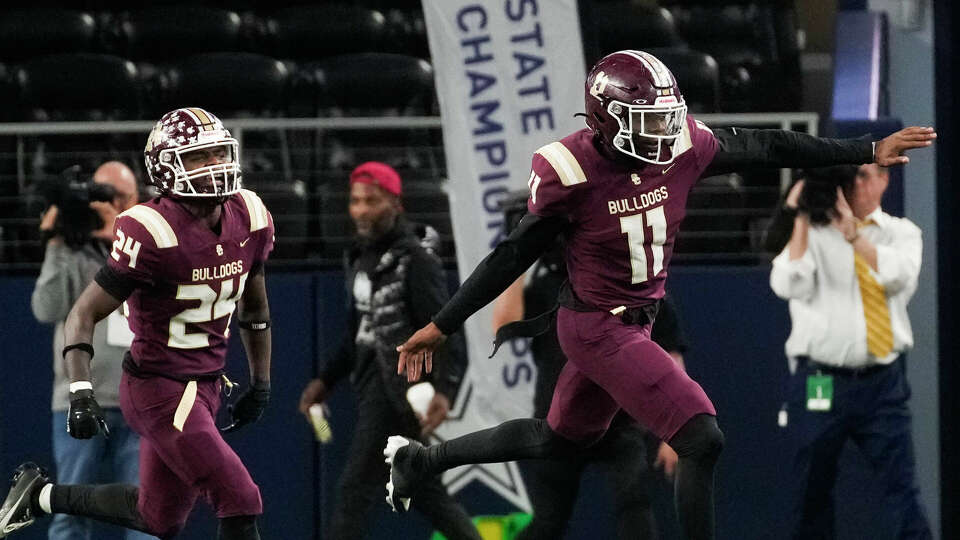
pixel 18 511
pixel 399 454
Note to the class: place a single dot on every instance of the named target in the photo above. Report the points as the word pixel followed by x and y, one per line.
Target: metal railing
pixel 299 166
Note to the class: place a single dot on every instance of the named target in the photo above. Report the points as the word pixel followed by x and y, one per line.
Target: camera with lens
pixel 819 195
pixel 72 192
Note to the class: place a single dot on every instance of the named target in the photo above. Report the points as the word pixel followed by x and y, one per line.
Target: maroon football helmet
pixel 634 106
pixel 187 130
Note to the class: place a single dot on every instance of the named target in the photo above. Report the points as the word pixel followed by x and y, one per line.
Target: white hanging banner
pixel 509 77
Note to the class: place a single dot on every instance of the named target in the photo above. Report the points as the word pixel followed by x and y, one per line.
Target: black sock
pixel 111 503
pixel 698 445
pixel 516 439
pixel 238 528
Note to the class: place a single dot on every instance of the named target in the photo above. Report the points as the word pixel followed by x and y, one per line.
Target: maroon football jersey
pixel 191 278
pixel 625 215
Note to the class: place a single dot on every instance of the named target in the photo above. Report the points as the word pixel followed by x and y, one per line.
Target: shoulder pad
pixel 256 209
pixel 155 224
pixel 563 161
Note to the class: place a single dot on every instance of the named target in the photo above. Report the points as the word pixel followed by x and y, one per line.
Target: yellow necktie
pixel 875 310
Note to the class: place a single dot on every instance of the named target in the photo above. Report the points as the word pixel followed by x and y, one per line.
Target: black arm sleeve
pixel 340 363
pixel 427 292
pixel 116 284
pixel 778 232
pixel 500 268
pixel 741 148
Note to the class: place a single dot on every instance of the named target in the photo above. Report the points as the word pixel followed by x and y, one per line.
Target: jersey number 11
pixel 633 227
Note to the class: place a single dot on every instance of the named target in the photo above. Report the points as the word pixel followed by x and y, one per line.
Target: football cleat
pixel 403 480
pixel 17 511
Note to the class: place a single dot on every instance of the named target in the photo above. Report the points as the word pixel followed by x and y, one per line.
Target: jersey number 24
pixel 212 306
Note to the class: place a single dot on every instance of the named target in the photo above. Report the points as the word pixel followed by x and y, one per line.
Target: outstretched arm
pixel 495 273
pixel 741 148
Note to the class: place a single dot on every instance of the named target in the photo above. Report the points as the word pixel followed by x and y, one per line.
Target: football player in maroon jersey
pixel 617 192
pixel 182 263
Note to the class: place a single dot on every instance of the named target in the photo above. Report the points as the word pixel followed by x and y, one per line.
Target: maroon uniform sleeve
pixel 704 143
pixel 268 238
pixel 261 225
pixel 556 172
pixel 137 241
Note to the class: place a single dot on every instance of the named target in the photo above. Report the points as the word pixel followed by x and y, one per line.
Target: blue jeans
pixel 93 461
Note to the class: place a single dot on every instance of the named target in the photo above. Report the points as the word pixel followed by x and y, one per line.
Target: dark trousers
pixel 870 410
pixel 553 484
pixel 365 475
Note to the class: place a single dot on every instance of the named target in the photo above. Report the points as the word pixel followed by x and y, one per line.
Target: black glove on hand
pixel 85 417
pixel 249 406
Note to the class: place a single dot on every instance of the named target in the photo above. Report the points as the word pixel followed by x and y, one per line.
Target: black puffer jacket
pixel 394 286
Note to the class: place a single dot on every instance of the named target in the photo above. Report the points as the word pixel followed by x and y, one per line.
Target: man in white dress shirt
pixel 848 272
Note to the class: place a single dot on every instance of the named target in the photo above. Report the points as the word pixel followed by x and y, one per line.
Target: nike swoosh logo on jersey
pixel 668 168
pixel 245 242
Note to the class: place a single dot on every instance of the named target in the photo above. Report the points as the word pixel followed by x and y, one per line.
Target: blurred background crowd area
pixel 363 69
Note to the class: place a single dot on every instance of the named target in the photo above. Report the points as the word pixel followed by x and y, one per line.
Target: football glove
pixel 249 406
pixel 85 417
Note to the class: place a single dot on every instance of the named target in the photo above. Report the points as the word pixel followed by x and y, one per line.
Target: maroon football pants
pixel 612 366
pixel 180 463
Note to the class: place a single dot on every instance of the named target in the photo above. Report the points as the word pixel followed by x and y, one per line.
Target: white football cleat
pixel 403 478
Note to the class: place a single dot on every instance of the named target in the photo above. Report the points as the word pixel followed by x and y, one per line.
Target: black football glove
pixel 249 406
pixel 85 418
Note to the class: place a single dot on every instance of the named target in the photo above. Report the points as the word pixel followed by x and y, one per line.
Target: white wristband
pixel 873 148
pixel 80 385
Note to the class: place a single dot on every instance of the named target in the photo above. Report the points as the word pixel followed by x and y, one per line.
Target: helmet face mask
pixel 216 180
pixel 190 154
pixel 634 106
pixel 648 133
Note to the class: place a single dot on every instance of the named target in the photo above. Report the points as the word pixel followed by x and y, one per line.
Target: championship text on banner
pixel 509 76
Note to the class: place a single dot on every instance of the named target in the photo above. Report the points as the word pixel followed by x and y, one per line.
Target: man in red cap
pixel 396 283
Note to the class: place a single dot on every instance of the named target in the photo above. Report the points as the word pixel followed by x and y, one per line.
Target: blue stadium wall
pixel 735 324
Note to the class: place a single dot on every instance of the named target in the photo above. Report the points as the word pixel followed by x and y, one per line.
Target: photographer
pixel 848 271
pixel 79 228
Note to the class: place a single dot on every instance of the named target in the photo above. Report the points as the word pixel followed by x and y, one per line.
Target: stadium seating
pixel 755 47
pixel 312 32
pixel 373 84
pixel 629 25
pixel 79 86
pixel 165 34
pixel 29 33
pixel 697 74
pixel 230 83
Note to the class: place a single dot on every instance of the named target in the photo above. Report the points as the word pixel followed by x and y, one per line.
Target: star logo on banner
pixel 504 479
